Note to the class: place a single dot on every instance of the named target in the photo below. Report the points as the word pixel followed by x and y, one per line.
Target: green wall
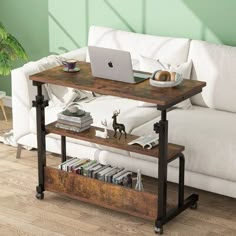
pixel 56 26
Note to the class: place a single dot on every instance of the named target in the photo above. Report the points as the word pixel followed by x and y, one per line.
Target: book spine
pixel 78 125
pixel 74 118
pixel 71 128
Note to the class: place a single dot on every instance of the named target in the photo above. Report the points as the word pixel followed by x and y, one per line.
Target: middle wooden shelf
pixel 89 135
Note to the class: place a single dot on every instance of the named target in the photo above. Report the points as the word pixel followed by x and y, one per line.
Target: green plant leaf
pixel 5 64
pixel 18 50
pixel 3 32
pixel 10 50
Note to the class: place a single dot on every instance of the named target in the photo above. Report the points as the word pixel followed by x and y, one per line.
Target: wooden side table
pixel 2 95
pixel 142 204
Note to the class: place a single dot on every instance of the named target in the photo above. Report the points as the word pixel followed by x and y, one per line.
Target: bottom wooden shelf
pixel 115 197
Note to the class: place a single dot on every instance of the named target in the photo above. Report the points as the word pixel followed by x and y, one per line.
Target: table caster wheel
pixel 40 196
pixel 194 206
pixel 158 230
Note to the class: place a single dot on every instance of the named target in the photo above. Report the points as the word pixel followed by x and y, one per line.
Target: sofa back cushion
pixel 166 49
pixel 216 65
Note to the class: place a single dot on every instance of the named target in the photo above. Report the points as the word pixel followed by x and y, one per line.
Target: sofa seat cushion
pixel 214 64
pixel 209 137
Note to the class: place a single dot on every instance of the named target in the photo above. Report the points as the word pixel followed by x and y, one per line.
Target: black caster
pixel 194 206
pixel 158 230
pixel 40 196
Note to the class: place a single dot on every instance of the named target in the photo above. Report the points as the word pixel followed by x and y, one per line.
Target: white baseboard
pixel 7 101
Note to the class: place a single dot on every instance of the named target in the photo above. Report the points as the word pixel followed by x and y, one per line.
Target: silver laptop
pixel 114 65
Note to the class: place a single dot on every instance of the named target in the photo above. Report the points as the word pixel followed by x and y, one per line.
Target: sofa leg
pixel 18 152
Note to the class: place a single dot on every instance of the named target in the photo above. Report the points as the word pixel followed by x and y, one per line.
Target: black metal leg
pixel 162 129
pixel 162 215
pixel 40 105
pixel 181 180
pixel 63 148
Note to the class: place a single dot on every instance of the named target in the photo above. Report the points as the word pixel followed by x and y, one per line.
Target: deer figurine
pixel 117 126
pixel 102 134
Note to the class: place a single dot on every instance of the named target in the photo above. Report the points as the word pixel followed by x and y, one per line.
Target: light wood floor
pixel 22 214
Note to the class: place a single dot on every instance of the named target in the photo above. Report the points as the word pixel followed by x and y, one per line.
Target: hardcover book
pixel 63 165
pixel 85 166
pixel 94 174
pixel 117 175
pixel 109 176
pixel 101 174
pixel 119 180
pixel 79 119
pixel 75 124
pixel 72 128
pixel 78 164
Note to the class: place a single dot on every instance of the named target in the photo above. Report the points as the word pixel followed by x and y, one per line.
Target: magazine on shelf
pixel 148 142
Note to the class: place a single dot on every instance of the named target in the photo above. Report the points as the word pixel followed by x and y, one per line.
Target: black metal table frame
pixel 160 127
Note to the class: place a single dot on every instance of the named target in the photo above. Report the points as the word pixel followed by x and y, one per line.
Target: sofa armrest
pixel 23 92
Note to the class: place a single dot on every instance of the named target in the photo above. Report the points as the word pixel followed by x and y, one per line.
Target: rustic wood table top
pixel 143 91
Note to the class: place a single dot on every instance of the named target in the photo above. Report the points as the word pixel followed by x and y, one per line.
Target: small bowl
pixel 167 84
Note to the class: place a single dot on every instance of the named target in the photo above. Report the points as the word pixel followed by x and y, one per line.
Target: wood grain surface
pixel 163 97
pixel 111 196
pixel 89 135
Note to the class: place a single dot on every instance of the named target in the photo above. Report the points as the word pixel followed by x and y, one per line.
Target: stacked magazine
pixel 76 121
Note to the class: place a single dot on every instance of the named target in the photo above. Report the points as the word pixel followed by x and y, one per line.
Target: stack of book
pixel 94 169
pixel 73 122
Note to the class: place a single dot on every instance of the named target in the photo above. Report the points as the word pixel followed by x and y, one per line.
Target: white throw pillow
pixel 59 94
pixel 150 65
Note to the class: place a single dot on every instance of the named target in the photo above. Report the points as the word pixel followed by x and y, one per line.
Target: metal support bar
pixel 181 180
pixel 162 215
pixel 63 148
pixel 188 202
pixel 40 105
pixel 162 166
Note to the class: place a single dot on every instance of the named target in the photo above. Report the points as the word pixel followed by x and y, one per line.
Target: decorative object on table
pixel 10 51
pixel 74 119
pixel 148 141
pixel 102 134
pixel 70 65
pixel 73 109
pixel 116 126
pixel 139 184
pixel 165 79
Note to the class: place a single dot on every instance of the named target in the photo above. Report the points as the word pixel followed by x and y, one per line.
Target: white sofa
pixel 207 130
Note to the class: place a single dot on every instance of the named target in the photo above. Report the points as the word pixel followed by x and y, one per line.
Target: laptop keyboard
pixel 141 75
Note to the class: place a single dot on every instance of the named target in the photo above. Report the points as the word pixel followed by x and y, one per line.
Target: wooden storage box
pixel 141 204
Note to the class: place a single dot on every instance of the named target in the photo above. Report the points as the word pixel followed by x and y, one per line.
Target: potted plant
pixel 10 50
